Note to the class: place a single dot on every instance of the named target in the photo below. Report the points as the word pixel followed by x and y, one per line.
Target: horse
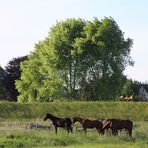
pixel 87 123
pixel 106 125
pixel 59 122
pixel 118 124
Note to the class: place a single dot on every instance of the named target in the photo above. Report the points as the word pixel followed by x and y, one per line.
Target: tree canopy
pixel 78 59
pixel 2 77
pixel 13 73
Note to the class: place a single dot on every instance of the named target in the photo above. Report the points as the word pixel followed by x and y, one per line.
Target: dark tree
pixel 14 73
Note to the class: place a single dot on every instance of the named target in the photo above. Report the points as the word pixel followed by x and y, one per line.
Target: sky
pixel 23 23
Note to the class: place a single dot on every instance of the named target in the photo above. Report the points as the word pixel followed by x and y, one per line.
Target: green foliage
pixel 63 37
pixel 39 79
pixel 128 88
pixel 78 59
pixel 110 57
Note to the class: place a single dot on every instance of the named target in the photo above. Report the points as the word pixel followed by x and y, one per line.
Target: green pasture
pixel 14 117
pixel 27 138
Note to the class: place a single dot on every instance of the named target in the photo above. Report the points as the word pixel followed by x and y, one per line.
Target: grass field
pixel 14 117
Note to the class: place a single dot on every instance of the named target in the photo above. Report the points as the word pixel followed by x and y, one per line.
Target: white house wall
pixel 143 93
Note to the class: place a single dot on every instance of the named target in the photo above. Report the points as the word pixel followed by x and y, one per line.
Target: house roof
pixel 145 86
pixel 137 87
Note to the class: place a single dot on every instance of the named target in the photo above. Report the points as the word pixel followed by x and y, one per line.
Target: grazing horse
pixel 87 123
pixel 106 125
pixel 59 122
pixel 118 124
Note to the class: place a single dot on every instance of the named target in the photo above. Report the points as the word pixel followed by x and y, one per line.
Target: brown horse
pixel 59 122
pixel 106 125
pixel 118 124
pixel 87 123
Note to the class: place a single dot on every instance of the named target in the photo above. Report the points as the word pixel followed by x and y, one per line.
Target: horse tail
pixel 130 127
pixel 68 123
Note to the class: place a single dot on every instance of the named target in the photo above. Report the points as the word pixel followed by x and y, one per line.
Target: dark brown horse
pixel 87 123
pixel 59 122
pixel 118 124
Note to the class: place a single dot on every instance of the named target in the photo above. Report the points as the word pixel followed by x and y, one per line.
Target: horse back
pixel 121 124
pixel 59 122
pixel 92 124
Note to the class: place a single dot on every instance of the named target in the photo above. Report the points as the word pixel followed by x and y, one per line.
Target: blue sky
pixel 24 22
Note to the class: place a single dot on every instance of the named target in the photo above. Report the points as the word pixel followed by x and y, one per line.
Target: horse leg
pixel 70 128
pixel 98 131
pixel 102 132
pixel 84 130
pixel 56 129
pixel 130 132
pixel 114 132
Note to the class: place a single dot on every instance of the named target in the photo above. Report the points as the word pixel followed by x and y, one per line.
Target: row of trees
pixel 78 59
pixel 12 73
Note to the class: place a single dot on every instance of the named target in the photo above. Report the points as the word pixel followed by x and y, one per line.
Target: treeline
pixel 12 73
pixel 79 59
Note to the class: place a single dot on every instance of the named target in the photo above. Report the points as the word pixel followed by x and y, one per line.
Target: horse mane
pixel 51 117
pixel 79 119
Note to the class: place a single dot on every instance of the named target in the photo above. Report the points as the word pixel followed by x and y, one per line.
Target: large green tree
pixel 110 54
pixel 39 80
pixel 78 59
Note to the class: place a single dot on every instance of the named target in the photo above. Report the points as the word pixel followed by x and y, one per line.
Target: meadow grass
pixel 28 138
pixel 129 110
pixel 14 117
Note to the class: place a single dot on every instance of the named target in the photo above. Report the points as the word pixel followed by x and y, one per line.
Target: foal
pixel 59 122
pixel 87 123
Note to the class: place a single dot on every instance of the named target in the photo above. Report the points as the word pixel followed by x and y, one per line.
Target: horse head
pixel 77 119
pixel 48 116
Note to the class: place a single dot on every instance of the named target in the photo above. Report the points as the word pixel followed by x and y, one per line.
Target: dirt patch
pixel 25 126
